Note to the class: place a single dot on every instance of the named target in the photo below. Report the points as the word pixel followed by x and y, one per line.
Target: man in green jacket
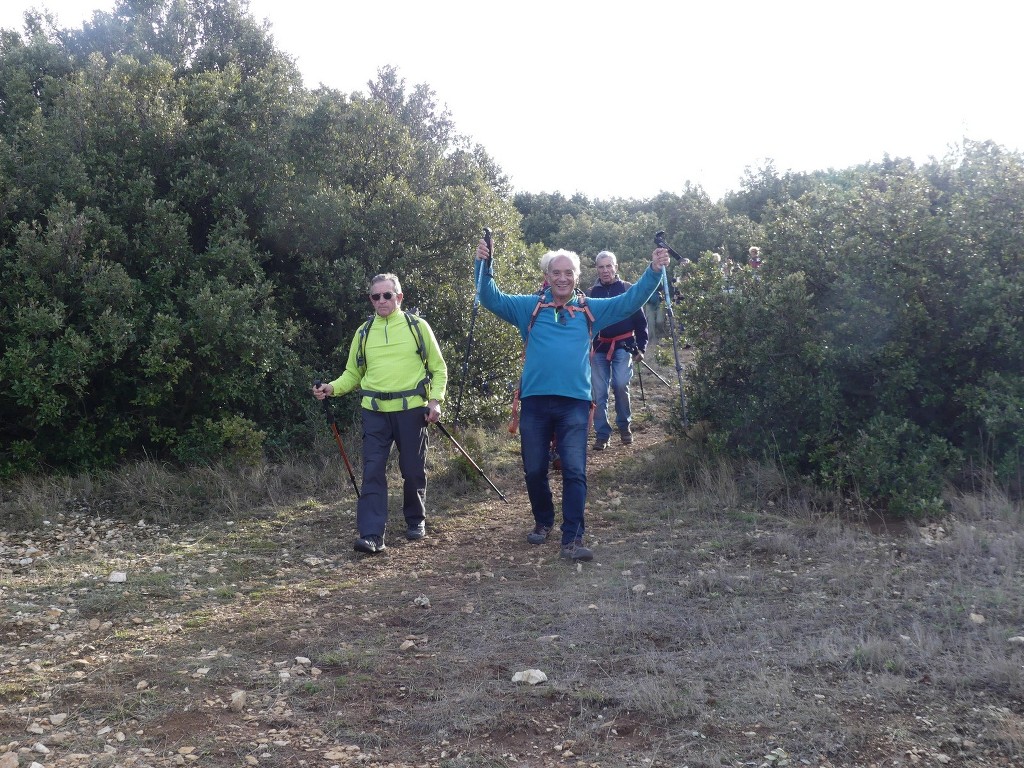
pixel 396 364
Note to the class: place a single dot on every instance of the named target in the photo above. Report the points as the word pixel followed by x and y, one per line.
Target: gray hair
pixel 547 258
pixel 607 254
pixel 386 276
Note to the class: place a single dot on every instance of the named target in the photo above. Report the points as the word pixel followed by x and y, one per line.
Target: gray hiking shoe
pixel 415 532
pixel 539 534
pixel 626 435
pixel 371 545
pixel 600 443
pixel 575 550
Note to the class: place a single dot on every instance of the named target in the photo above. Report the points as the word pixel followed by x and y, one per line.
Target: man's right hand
pixel 482 252
pixel 324 390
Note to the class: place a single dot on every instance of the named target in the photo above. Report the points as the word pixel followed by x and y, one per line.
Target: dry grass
pixel 730 618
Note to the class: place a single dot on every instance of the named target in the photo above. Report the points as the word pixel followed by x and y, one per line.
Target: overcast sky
pixel 630 99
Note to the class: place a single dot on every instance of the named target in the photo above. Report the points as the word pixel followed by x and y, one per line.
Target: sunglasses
pixel 387 295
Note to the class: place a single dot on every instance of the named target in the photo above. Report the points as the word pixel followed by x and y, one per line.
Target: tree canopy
pixel 187 232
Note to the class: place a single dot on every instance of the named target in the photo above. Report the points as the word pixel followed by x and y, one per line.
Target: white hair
pixel 547 258
pixel 607 254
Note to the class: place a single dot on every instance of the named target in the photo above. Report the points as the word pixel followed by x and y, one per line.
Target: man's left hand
pixel 660 259
pixel 433 414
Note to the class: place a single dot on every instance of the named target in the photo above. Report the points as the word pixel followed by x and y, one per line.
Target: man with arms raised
pixel 557 326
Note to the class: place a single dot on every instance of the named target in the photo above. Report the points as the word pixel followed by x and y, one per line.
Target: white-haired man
pixel 557 326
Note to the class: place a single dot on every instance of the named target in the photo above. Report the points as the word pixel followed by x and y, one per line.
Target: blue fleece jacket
pixel 558 347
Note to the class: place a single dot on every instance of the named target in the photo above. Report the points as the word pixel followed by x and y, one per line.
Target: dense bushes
pixel 186 235
pixel 880 345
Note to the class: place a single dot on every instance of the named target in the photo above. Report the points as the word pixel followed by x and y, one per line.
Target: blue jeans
pixel 542 416
pixel 620 370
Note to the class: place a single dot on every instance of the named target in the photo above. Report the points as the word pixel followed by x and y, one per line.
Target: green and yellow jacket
pixel 396 364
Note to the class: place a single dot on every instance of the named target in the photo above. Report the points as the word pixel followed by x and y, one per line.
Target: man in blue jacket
pixel 615 349
pixel 557 326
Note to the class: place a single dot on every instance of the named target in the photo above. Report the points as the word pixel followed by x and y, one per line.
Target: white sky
pixel 630 99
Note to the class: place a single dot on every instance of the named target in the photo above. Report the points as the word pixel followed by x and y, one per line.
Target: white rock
pixel 1018 640
pixel 531 676
pixel 238 701
pixel 977 618
pixel 58 718
pixel 40 748
pixel 118 577
pixel 422 601
pixel 9 760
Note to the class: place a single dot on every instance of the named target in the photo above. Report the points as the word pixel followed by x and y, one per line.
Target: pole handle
pixel 317 383
pixel 659 240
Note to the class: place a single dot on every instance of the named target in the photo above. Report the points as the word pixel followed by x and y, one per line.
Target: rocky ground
pixel 708 631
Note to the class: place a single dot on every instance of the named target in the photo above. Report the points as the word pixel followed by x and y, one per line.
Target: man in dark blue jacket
pixel 615 349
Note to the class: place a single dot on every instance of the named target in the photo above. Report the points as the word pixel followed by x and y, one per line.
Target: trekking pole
pixel 462 450
pixel 659 240
pixel 337 438
pixel 469 341
pixel 660 377
pixel 643 397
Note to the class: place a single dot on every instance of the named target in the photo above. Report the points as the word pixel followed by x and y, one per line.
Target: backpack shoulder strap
pixel 413 322
pixel 364 331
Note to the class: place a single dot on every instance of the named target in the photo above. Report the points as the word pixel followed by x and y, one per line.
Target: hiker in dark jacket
pixel 615 349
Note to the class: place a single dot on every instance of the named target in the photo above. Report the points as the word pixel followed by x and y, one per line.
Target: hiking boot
pixel 600 443
pixel 626 435
pixel 575 550
pixel 417 531
pixel 539 534
pixel 371 545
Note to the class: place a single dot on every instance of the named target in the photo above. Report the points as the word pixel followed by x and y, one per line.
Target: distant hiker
pixel 754 257
pixel 615 349
pixel 395 362
pixel 557 326
pixel 755 261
